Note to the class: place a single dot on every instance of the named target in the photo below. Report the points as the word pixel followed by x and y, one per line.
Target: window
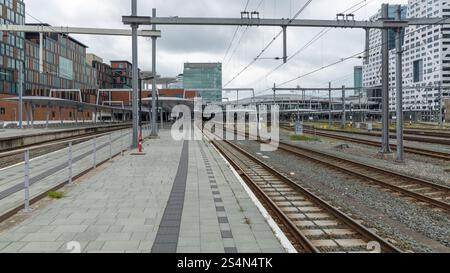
pixel 2 111
pixel 418 70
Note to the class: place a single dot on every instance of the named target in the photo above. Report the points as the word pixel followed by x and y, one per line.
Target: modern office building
pixel 90 58
pixel 12 46
pixel 358 81
pixel 64 67
pixel 206 78
pixel 426 60
pixel 103 71
pixel 122 72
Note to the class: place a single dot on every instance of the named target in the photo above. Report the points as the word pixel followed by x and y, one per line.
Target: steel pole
pixel 284 44
pixel 154 132
pixel 399 85
pixel 274 93
pixel 135 82
pixel 385 82
pixel 441 115
pixel 27 181
pixel 344 113
pixel 21 95
pixel 330 107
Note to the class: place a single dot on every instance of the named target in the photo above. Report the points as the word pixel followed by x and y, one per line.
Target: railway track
pixel 412 150
pixel 425 192
pixel 311 224
pixel 438 138
pixel 421 190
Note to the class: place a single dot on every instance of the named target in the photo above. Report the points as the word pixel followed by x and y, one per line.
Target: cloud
pixel 181 44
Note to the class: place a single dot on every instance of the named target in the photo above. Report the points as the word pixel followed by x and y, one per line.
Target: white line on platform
pixel 273 225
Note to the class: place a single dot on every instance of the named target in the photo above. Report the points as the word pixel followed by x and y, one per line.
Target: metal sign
pixel 299 128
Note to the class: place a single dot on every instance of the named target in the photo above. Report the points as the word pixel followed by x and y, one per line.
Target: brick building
pixel 122 72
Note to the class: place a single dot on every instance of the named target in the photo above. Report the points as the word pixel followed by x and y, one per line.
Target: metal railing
pixel 40 175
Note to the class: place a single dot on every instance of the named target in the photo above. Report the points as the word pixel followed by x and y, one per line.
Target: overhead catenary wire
pixel 234 35
pixel 240 39
pixel 345 59
pixel 319 35
pixel 269 44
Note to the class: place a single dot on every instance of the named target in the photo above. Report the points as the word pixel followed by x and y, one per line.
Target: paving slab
pixel 180 196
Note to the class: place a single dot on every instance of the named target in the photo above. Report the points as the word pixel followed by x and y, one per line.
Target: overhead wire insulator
pixel 255 15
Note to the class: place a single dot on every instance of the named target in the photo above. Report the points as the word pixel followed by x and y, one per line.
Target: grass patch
pixel 56 195
pixel 304 138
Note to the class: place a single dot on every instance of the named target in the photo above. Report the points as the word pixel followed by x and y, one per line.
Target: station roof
pixel 167 103
pixel 292 98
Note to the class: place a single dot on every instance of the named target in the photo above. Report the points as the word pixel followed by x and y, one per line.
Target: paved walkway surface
pixel 179 197
pixel 49 170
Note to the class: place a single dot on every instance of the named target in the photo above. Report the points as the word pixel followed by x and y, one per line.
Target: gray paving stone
pixel 98 228
pixel 121 246
pixel 114 236
pixel 41 237
pixel 86 236
pixel 70 228
pixel 41 247
pixel 3 245
pixel 13 247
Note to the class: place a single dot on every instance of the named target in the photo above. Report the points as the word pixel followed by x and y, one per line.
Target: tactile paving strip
pixel 225 228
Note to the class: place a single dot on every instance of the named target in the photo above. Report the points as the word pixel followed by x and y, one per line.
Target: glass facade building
pixel 358 80
pixel 64 67
pixel 206 78
pixel 12 45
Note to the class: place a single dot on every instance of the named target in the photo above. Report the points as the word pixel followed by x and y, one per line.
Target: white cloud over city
pixel 181 44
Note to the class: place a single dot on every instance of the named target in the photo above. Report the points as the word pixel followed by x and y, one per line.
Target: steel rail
pixel 336 162
pixel 332 161
pixel 301 238
pixel 408 149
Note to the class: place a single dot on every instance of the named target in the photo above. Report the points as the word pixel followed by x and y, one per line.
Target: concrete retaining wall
pixel 15 142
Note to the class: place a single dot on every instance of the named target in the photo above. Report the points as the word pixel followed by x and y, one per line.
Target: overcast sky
pixel 181 44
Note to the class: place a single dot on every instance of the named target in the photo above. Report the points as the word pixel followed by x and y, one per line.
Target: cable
pixel 349 57
pixel 237 45
pixel 234 35
pixel 268 45
pixel 318 36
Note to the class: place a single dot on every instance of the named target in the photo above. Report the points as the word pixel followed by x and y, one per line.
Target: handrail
pixel 22 150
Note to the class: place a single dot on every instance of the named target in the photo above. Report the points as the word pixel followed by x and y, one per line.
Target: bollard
pixel 95 152
pixel 121 143
pixel 110 147
pixel 27 181
pixel 70 163
pixel 131 140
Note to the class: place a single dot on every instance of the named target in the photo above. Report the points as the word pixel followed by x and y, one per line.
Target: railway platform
pixel 179 197
pixel 18 138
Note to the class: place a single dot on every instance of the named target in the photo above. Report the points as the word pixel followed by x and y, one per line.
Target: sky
pixel 180 44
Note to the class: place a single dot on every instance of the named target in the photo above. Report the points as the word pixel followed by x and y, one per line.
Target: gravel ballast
pixel 418 166
pixel 413 227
